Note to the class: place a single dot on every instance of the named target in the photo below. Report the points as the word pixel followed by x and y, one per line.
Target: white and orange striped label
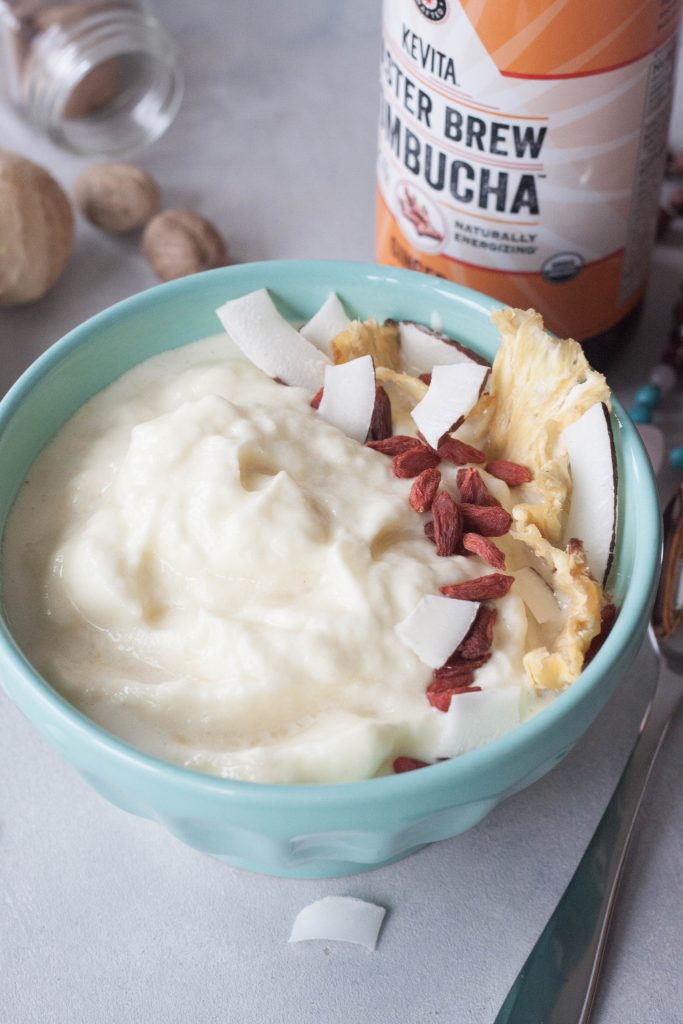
pixel 522 146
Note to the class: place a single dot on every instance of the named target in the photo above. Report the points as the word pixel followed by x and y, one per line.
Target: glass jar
pixel 100 77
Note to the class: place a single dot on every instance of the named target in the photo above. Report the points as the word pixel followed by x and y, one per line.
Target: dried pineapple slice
pixel 539 385
pixel 580 599
pixel 369 338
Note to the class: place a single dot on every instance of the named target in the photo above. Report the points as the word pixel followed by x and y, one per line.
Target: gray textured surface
pixel 103 917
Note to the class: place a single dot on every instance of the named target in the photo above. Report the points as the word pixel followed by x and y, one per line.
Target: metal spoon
pixel 558 982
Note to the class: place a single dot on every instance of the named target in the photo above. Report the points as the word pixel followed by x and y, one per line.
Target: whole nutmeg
pixel 178 242
pixel 117 197
pixel 36 230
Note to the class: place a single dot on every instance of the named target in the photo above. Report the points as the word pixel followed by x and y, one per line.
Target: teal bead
pixel 649 394
pixel 676 458
pixel 640 413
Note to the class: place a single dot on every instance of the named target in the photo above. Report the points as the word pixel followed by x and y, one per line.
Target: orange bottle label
pixel 522 146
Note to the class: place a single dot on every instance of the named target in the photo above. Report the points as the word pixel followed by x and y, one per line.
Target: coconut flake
pixel 423 348
pixel 452 393
pixel 326 324
pixel 474 719
pixel 349 396
pixel 270 342
pixel 339 919
pixel 436 627
pixel 592 513
pixel 537 595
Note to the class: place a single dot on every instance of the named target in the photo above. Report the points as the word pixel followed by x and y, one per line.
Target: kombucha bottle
pixel 522 146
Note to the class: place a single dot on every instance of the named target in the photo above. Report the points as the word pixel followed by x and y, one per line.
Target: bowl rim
pixel 451 772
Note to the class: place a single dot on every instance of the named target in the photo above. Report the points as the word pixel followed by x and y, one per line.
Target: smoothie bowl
pixel 342 801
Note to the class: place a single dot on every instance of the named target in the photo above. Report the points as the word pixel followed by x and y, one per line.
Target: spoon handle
pixel 557 984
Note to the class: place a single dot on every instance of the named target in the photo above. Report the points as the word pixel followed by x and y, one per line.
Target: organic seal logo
pixel 434 10
pixel 563 266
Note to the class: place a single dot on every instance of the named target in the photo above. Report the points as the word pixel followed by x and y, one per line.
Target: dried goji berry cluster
pixel 465 528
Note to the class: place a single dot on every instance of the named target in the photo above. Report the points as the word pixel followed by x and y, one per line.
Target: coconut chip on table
pixel 339 919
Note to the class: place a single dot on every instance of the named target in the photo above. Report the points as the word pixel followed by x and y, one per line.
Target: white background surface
pixel 105 918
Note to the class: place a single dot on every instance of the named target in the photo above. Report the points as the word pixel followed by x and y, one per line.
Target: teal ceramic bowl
pixel 307 831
